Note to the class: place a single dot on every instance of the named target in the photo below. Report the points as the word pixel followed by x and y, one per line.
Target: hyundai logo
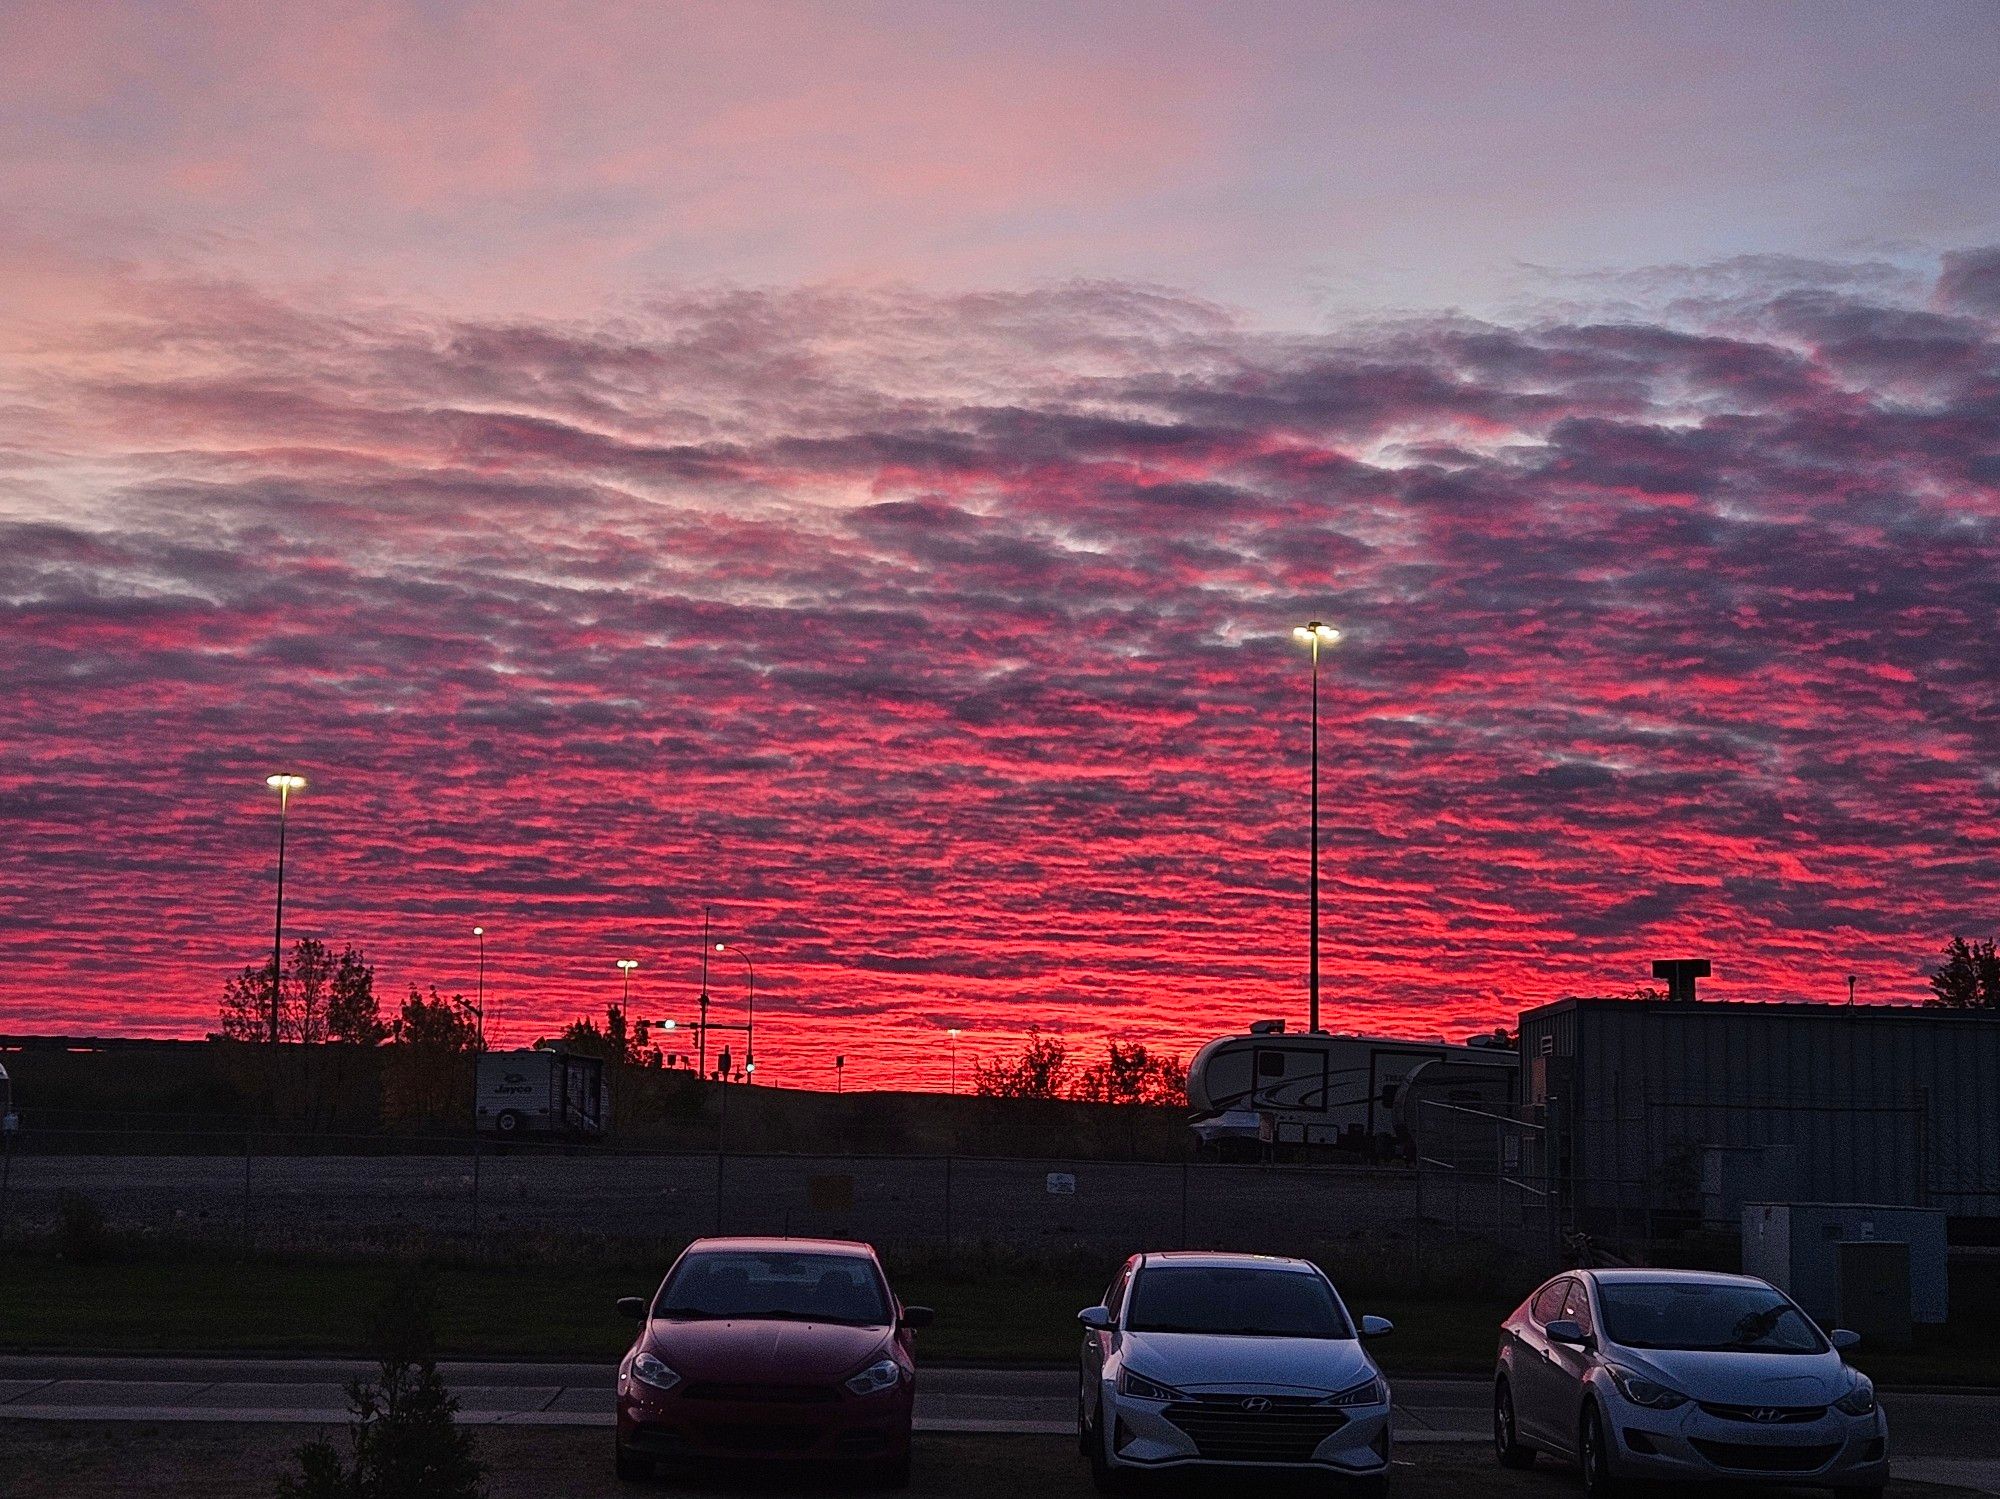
pixel 1257 1403
pixel 1767 1413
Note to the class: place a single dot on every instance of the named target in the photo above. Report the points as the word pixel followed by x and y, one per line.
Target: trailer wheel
pixel 508 1123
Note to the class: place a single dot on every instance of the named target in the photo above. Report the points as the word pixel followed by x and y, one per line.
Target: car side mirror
pixel 1844 1338
pixel 918 1316
pixel 1376 1327
pixel 1096 1318
pixel 1564 1330
pixel 633 1307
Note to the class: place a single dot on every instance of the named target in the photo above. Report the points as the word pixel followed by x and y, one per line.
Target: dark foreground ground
pixel 68 1461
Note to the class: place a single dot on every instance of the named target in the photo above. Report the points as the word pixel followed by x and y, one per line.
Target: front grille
pixel 1751 1457
pixel 1766 1415
pixel 762 1437
pixel 1288 1431
pixel 762 1394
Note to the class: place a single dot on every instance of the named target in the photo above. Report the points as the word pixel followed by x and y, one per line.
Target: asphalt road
pixel 1950 1435
pixel 207 1460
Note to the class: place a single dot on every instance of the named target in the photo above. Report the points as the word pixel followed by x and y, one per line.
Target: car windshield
pixel 751 1285
pixel 1243 1300
pixel 1713 1316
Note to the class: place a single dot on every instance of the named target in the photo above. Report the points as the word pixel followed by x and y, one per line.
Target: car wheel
pixel 631 1466
pixel 1507 1444
pixel 1593 1456
pixel 508 1123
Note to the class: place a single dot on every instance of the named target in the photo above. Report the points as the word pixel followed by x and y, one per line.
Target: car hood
pixel 755 1351
pixel 1742 1378
pixel 1204 1361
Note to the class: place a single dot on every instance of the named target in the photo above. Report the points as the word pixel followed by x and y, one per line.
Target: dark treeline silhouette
pixel 1044 1068
pixel 1968 978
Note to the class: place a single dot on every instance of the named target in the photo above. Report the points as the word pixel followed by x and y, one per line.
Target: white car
pixel 1220 1359
pixel 1676 1375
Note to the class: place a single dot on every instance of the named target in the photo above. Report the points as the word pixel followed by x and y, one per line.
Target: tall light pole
pixel 702 1034
pixel 1315 634
pixel 750 1030
pixel 480 933
pixel 625 966
pixel 284 785
pixel 954 1061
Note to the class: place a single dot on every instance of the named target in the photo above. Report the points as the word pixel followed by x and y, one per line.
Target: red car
pixel 786 1349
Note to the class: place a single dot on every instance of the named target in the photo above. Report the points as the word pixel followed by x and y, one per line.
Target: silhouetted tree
pixel 320 998
pixel 424 1078
pixel 1040 1071
pixel 617 1041
pixel 1967 979
pixel 1130 1074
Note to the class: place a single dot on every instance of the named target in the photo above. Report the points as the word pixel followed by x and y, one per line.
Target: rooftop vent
pixel 1680 974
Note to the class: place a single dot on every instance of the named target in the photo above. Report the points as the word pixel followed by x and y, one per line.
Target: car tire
pixel 1593 1456
pixel 632 1467
pixel 1507 1443
pixel 508 1123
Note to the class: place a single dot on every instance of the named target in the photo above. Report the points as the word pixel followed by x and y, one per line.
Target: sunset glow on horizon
pixel 915 584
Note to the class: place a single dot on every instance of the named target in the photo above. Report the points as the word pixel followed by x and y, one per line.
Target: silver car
pixel 1197 1360
pixel 1677 1375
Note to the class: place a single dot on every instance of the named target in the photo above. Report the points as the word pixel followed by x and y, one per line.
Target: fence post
pixel 947 1214
pixel 6 1174
pixel 248 1137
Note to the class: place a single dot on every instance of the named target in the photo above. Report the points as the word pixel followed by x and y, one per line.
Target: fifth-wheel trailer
pixel 1317 1091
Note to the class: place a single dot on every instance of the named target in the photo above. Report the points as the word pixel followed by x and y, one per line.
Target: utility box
pixel 1799 1248
pixel 545 1093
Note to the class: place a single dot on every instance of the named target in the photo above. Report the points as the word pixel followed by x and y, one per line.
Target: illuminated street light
pixel 954 1061
pixel 284 785
pixel 1315 634
pixel 625 966
pixel 480 933
pixel 750 1030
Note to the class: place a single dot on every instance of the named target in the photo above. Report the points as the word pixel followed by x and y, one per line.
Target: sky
pixel 857 468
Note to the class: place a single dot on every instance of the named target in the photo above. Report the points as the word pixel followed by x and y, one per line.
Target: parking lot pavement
pixel 1944 1435
pixel 1016 1401
pixel 71 1460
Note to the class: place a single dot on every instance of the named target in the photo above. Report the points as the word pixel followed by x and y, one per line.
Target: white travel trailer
pixel 542 1092
pixel 1327 1091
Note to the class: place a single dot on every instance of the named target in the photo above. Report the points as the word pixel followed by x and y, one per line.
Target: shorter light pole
pixel 954 1061
pixel 840 1074
pixel 1850 991
pixel 625 966
pixel 480 933
pixel 750 1029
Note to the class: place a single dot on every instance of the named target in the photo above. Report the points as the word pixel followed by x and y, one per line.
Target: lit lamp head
pixel 628 964
pixel 285 784
pixel 479 931
pixel 1315 634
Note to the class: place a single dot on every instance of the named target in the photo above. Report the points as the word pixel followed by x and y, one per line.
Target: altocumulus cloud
pixel 942 642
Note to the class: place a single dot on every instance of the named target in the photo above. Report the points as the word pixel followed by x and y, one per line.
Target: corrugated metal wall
pixel 1894 1106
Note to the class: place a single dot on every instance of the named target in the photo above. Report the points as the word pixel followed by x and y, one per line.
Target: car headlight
pixel 1371 1391
pixel 1640 1390
pixel 1859 1401
pixel 883 1374
pixel 649 1370
pixel 1141 1388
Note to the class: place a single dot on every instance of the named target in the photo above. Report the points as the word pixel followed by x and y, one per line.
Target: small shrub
pixel 404 1440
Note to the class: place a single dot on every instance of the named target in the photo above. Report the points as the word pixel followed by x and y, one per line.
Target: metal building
pixel 1873 1104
